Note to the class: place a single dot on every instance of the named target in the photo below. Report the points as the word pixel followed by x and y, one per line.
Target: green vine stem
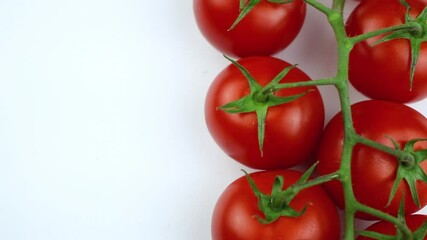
pixel 365 36
pixel 399 223
pixel 392 151
pixel 345 44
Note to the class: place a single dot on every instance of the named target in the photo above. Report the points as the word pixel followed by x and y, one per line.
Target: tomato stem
pixel 318 82
pixel 411 26
pixel 319 6
pixel 401 225
pixel 344 46
pixel 392 151
pixel 316 181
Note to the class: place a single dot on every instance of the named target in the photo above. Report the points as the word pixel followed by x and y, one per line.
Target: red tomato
pixel 373 171
pixel 413 222
pixel 382 71
pixel 292 130
pixel 267 29
pixel 234 213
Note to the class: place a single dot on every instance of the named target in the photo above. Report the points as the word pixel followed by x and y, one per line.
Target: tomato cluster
pixel 268 115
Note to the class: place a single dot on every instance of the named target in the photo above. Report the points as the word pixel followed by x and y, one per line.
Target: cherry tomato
pixel 373 171
pixel 234 216
pixel 267 29
pixel 292 130
pixel 382 71
pixel 413 222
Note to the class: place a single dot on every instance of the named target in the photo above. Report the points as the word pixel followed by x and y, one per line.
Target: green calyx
pixel 245 8
pixel 277 204
pixel 416 35
pixel 420 233
pixel 259 99
pixel 409 169
pixel 380 236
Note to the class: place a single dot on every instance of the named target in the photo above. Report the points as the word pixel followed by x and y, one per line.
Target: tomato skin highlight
pixel 373 172
pixel 382 71
pixel 234 216
pixel 267 29
pixel 413 222
pixel 292 130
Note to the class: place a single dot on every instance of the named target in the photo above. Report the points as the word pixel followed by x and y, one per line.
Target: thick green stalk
pixel 392 151
pixel 316 181
pixel 345 44
pixel 365 36
pixel 344 47
pixel 338 5
pixel 319 6
pixel 319 82
pixel 386 217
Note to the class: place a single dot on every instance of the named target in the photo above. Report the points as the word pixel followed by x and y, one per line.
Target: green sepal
pixel 261 114
pixel 418 234
pixel 280 1
pixel 245 9
pixel 399 234
pixel 421 232
pixel 253 85
pixel 304 178
pixel 241 4
pixel 409 169
pixel 277 204
pixel 242 105
pixel 416 37
pixel 259 99
pixel 380 236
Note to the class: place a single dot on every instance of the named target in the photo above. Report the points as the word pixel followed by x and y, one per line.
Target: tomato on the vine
pixel 236 214
pixel 292 129
pixel 414 222
pixel 267 29
pixel 374 172
pixel 382 70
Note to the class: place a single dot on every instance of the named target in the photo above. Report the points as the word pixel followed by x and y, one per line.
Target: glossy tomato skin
pixel 373 172
pixel 292 130
pixel 382 71
pixel 235 211
pixel 266 30
pixel 413 222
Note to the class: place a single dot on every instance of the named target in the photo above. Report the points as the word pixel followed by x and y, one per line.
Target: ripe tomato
pixel 234 216
pixel 382 71
pixel 292 130
pixel 267 29
pixel 413 222
pixel 373 171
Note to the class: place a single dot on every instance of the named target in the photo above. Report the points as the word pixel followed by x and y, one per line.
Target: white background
pixel 102 133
